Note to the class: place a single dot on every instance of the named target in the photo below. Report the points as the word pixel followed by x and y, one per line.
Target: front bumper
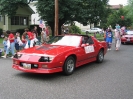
pixel 38 70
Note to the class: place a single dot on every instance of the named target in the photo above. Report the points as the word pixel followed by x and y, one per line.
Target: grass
pixel 1 40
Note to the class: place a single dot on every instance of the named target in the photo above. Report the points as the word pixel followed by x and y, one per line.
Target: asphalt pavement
pixel 112 79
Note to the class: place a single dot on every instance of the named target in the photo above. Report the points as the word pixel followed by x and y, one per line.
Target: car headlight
pixel 46 59
pixel 17 56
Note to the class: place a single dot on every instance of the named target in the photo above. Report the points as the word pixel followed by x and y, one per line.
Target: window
pixel 19 20
pixel 87 39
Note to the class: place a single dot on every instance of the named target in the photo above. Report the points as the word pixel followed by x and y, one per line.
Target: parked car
pixel 61 54
pixel 94 30
pixel 127 38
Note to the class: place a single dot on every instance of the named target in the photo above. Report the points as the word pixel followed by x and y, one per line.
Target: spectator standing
pixel 47 33
pixel 24 40
pixel 43 36
pixel 5 44
pixel 117 39
pixel 18 42
pixel 109 38
pixel 104 34
pixel 117 27
pixel 10 44
pixel 35 31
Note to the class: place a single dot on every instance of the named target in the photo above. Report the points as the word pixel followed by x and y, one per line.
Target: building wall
pixel 1 21
pixel 25 12
pixel 35 19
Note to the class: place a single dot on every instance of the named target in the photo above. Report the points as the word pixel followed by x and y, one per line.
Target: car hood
pixel 128 36
pixel 47 50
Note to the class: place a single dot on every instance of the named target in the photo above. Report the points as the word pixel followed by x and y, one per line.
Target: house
pixel 21 20
pixel 116 7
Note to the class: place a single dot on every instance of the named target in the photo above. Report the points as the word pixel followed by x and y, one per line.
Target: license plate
pixel 128 39
pixel 26 66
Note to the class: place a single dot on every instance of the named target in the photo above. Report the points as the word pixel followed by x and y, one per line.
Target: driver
pixel 85 40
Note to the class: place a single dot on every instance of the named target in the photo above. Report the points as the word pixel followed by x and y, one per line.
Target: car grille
pixel 128 38
pixel 32 65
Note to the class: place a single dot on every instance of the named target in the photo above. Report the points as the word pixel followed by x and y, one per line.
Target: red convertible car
pixel 61 54
pixel 127 38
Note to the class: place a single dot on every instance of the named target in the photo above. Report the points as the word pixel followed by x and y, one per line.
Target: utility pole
pixel 56 18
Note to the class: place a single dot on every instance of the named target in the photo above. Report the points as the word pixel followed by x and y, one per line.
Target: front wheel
pixel 100 56
pixel 69 66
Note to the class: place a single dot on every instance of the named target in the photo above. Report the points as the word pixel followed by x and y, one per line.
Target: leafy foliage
pixel 83 11
pixel 115 17
pixel 9 7
pixel 74 29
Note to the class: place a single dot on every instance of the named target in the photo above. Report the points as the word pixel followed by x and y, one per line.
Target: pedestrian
pixel 10 44
pixel 117 39
pixel 95 34
pixel 117 27
pixel 18 42
pixel 24 40
pixel 5 44
pixel 35 30
pixel 104 34
pixel 47 33
pixel 30 39
pixel 43 36
pixel 109 38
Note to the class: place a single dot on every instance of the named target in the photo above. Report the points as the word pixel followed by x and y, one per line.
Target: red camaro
pixel 127 38
pixel 60 54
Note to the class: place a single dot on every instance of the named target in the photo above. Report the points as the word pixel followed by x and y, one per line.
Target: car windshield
pixel 130 32
pixel 67 40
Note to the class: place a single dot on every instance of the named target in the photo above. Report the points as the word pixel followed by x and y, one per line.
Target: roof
pixel 30 9
pixel 116 7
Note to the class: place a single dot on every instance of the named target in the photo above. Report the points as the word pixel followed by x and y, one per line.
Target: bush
pixel 1 32
pixel 74 29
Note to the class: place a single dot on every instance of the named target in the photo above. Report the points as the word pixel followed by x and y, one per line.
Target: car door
pixel 90 50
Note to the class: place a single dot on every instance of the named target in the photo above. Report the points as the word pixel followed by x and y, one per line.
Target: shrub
pixel 74 29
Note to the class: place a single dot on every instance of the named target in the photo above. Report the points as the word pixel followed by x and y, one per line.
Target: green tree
pixel 129 9
pixel 83 11
pixel 9 7
pixel 115 17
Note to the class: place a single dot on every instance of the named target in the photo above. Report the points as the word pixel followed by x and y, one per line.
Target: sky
pixel 116 2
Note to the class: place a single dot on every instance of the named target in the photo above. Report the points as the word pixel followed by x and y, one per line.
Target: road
pixel 112 79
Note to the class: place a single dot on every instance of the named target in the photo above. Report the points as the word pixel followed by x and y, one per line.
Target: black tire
pixel 100 56
pixel 69 66
pixel 123 43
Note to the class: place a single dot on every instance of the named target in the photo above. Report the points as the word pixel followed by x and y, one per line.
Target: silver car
pixel 94 30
